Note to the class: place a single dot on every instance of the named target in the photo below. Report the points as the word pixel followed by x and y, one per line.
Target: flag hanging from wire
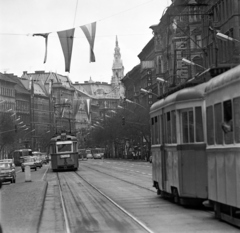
pixel 45 35
pixel 88 108
pixel 66 40
pixel 31 86
pixel 90 31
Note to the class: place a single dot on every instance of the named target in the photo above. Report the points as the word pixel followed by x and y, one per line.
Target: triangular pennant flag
pixel 90 31
pixel 45 35
pixel 31 86
pixel 88 107
pixel 66 40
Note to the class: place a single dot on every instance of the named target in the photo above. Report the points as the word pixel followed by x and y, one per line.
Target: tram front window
pixel 64 148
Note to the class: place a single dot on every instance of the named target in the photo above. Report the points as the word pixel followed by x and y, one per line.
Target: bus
pixel 64 152
pixel 19 154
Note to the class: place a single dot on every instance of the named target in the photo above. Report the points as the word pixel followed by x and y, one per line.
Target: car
pixel 89 156
pixel 38 161
pixel 8 172
pixel 8 161
pixel 97 156
pixel 28 161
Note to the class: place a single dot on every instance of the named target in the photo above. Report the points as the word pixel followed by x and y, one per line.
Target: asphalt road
pixel 126 184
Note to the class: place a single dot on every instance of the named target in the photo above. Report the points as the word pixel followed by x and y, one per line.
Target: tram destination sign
pixel 64 156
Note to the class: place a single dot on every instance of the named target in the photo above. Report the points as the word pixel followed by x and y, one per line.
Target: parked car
pixel 38 161
pixel 89 156
pixel 8 161
pixel 8 172
pixel 97 156
pixel 28 161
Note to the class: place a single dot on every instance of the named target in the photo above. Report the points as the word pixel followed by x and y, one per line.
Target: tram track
pixel 93 194
pixel 139 186
pixel 206 209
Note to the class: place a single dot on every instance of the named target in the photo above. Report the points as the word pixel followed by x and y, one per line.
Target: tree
pixel 112 132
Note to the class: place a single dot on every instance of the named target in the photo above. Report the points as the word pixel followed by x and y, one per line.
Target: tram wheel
pixel 176 198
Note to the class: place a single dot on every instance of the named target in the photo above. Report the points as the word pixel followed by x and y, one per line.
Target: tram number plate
pixel 64 156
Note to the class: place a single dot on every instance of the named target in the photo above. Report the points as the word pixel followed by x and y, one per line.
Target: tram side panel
pixel 193 171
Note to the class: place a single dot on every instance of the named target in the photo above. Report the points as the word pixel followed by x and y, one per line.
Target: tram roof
pixel 186 94
pixel 223 79
pixel 58 138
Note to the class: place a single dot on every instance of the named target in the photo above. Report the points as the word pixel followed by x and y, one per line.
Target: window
pixel 236 107
pixel 173 123
pixel 156 130
pixel 153 133
pixel 227 125
pixel 64 148
pixel 168 127
pixel 187 126
pixel 218 123
pixel 199 125
pixel 210 133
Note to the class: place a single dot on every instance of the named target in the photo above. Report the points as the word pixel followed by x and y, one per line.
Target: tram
pixel 179 161
pixel 196 145
pixel 64 152
pixel 222 97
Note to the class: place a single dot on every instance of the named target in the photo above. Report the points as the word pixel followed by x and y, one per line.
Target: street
pixel 117 196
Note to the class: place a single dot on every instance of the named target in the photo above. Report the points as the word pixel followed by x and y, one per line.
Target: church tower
pixel 118 72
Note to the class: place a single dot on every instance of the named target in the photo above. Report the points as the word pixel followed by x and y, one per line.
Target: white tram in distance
pixel 196 145
pixel 64 152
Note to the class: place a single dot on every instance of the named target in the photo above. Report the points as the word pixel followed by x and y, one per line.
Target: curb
pixel 41 205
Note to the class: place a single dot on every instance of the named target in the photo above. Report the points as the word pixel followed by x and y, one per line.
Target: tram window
pixel 153 133
pixel 74 146
pixel 185 127
pixel 156 130
pixel 168 124
pixel 199 124
pixel 218 123
pixel 210 135
pixel 227 125
pixel 173 123
pixel 236 110
pixel 191 127
pixel 161 128
pixel 64 148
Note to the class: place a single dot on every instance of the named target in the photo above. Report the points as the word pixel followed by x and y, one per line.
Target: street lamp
pixel 224 37
pixel 161 80
pixel 186 61
pixel 147 92
pixel 121 107
pixel 2 101
pixel 9 110
pixel 132 102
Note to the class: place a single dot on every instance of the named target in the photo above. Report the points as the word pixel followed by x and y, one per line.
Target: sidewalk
pixel 22 205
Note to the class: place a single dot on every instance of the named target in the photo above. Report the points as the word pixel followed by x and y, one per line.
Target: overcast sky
pixel 129 20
